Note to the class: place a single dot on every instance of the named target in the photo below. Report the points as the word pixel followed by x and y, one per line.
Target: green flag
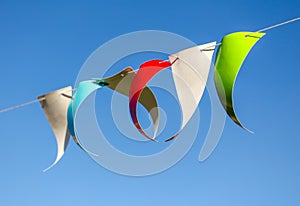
pixel 230 57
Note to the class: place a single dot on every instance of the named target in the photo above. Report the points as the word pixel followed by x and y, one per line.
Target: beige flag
pixel 55 105
pixel 121 83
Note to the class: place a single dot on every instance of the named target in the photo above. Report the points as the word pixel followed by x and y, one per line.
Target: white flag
pixel 190 72
pixel 55 105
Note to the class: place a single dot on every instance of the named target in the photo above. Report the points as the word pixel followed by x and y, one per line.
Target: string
pixel 208 48
pixel 31 102
pixel 205 49
pixel 21 105
pixel 258 31
pixel 278 25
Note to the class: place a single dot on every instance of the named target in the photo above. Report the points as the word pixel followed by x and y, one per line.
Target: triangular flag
pixel 230 57
pixel 55 105
pixel 190 72
pixel 121 83
pixel 146 72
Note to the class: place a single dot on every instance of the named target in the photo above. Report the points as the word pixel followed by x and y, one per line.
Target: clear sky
pixel 42 48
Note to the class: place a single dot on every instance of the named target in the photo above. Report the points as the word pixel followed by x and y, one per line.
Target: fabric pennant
pixel 55 105
pixel 147 98
pixel 146 72
pixel 190 72
pixel 230 57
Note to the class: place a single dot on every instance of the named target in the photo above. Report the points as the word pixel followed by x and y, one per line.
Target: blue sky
pixel 43 46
